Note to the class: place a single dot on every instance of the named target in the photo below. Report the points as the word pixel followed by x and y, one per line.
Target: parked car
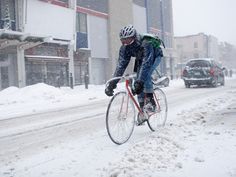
pixel 203 71
pixel 159 79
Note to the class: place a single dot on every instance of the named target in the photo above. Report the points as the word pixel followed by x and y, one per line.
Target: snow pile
pixel 167 150
pixel 39 98
pixel 147 157
pixel 42 97
pixel 34 92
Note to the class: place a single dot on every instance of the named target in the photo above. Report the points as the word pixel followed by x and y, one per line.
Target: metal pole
pixel 71 81
pixel 162 64
pixel 86 80
pixel 147 15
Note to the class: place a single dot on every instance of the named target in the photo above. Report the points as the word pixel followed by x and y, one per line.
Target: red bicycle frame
pixel 135 102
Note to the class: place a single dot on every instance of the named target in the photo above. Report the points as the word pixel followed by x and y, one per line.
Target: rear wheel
pixel 158 118
pixel 120 118
pixel 223 81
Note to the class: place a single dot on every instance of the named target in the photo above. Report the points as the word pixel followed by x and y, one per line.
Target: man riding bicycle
pixel 147 52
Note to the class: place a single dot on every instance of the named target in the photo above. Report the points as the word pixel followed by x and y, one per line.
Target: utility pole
pixel 163 63
pixel 147 14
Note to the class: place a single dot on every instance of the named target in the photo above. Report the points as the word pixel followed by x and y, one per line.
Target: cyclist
pixel 147 52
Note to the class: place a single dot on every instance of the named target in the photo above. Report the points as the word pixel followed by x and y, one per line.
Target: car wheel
pixel 214 83
pixel 187 85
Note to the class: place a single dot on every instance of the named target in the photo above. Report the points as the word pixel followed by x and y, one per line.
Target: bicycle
pixel 121 115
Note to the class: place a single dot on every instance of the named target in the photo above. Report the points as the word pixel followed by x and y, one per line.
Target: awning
pixel 26 40
pixel 15 38
pixel 47 58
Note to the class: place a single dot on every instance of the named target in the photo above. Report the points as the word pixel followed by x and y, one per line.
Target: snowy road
pixel 73 141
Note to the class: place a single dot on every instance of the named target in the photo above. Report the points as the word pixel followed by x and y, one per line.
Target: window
pixel 7 15
pixel 65 1
pixel 195 45
pixel 97 5
pixel 81 24
pixel 81 29
pixel 140 2
pixel 198 63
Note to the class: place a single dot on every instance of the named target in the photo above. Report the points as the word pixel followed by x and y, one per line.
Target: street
pixel 74 142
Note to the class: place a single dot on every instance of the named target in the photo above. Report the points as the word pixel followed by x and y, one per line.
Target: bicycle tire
pixel 120 118
pixel 158 119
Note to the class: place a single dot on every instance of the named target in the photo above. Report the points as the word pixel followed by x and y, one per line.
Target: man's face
pixel 127 41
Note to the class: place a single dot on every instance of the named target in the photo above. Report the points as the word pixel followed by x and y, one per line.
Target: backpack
pixel 154 39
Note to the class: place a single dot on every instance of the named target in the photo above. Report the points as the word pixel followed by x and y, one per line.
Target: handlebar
pixel 126 77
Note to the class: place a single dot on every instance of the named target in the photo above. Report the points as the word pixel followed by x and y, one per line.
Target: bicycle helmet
pixel 127 31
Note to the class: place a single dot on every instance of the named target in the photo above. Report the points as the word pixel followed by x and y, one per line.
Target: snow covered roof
pixel 17 38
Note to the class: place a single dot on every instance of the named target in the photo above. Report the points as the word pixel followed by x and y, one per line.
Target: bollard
pixel 86 80
pixel 71 81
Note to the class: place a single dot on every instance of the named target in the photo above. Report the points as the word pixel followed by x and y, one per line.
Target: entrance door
pixel 34 72
pixel 57 74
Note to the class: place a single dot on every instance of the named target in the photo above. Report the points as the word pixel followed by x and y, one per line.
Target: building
pixel 65 42
pixel 195 46
pixel 160 21
pixel 35 46
pixel 227 53
pixel 153 16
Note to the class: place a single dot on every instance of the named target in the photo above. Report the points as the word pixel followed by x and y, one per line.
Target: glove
pixel 109 89
pixel 138 87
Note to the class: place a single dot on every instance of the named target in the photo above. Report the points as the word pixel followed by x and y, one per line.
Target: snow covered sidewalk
pixel 199 142
pixel 40 98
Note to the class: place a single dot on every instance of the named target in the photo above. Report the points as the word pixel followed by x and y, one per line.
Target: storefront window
pixel 52 73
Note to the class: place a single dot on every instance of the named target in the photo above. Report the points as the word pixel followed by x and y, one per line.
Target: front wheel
pixel 120 118
pixel 158 118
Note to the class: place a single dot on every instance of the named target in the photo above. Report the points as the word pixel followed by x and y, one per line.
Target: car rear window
pixel 198 63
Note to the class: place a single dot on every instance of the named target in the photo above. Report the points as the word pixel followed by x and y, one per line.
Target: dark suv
pixel 203 71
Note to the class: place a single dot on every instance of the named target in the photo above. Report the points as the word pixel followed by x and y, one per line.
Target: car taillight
pixel 184 72
pixel 212 71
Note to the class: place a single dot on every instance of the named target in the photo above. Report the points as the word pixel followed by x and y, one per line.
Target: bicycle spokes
pixel 120 118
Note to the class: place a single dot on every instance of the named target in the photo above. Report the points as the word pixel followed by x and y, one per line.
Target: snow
pixel 198 139
pixel 197 143
pixel 41 97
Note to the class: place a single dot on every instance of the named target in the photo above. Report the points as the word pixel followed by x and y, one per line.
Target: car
pixel 159 79
pixel 203 71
